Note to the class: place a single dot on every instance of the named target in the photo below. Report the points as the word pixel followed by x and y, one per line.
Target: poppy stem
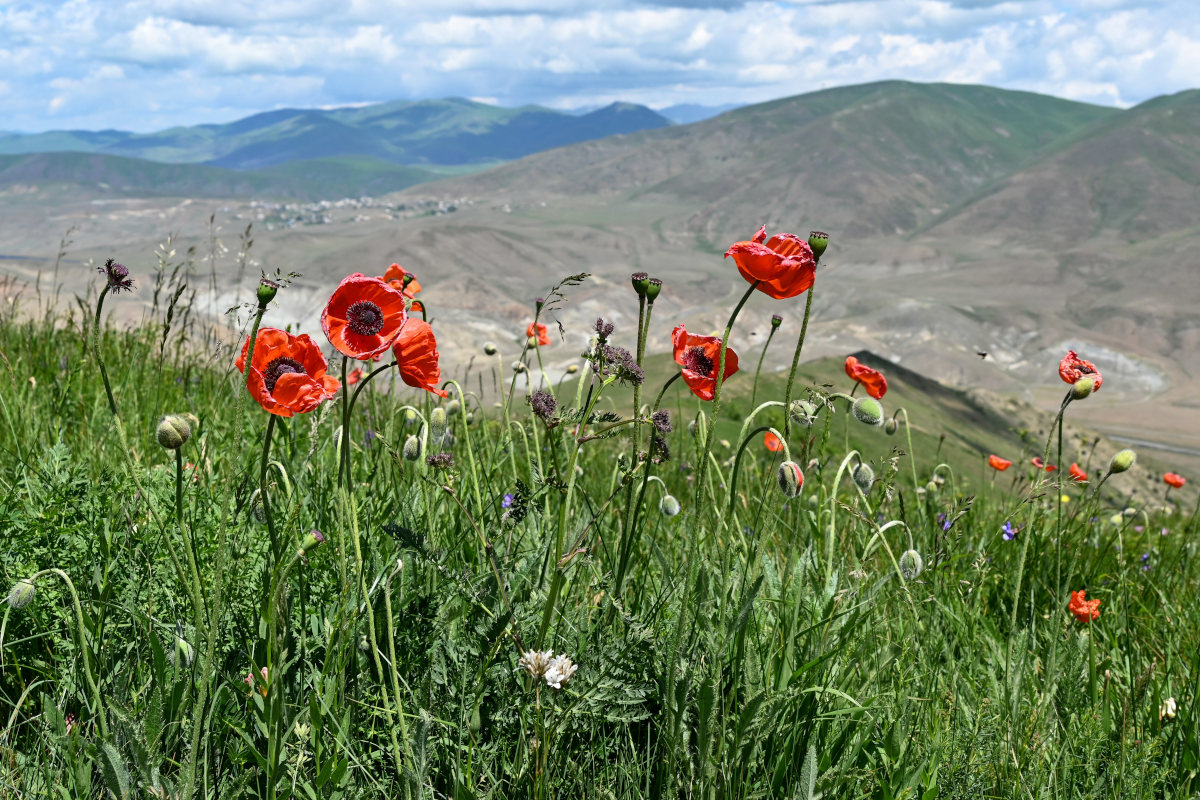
pixel 787 395
pixel 762 356
pixel 737 461
pixel 720 381
pixel 344 440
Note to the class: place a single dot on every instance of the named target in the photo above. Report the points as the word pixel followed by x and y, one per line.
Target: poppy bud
pixel 312 541
pixel 791 479
pixel 669 506
pixel 20 594
pixel 911 564
pixel 266 292
pixel 173 431
pixel 868 411
pixel 572 369
pixel 1122 461
pixel 803 412
pixel 437 423
pixel 776 320
pixel 818 241
pixel 532 341
pixel 641 282
pixel 1082 387
pixel 864 477
pixel 490 349
pixel 412 448
pixel 931 487
pixel 518 366
pixel 257 511
pixel 539 302
pixel 452 408
pixel 652 289
pixel 184 654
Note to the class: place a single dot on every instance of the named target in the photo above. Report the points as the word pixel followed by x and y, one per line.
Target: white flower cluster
pixel 557 670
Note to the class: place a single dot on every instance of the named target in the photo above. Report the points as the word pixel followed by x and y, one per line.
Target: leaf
pixel 808 772
pixel 116 776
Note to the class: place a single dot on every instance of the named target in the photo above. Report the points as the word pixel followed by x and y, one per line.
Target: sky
pixel 145 65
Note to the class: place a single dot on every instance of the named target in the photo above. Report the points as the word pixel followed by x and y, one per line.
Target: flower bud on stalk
pixel 489 348
pixel 791 478
pixel 311 542
pixel 669 506
pixel 173 432
pixel 1122 462
pixel 437 423
pixel 890 426
pixel 864 477
pixel 868 411
pixel 412 448
pixel 911 564
pixel 20 594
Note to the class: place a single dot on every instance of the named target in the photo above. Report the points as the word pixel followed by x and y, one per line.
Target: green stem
pixel 787 395
pixel 83 646
pixel 112 403
pixel 762 357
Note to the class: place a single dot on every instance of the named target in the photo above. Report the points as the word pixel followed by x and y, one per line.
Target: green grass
pixel 764 647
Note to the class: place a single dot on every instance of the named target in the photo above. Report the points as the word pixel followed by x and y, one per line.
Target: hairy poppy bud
pixel 312 541
pixel 818 241
pixel 490 349
pixel 669 506
pixel 518 366
pixel 652 289
pixel 452 408
pixel 1122 461
pixel 173 431
pixel 931 487
pixel 911 564
pixel 1082 387
pixel 641 282
pixel 803 412
pixel 437 423
pixel 868 410
pixel 864 477
pixel 776 320
pixel 572 369
pixel 20 594
pixel 258 512
pixel 266 292
pixel 412 448
pixel 890 426
pixel 791 479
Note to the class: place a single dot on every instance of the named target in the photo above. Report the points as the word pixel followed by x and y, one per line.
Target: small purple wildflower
pixel 944 521
pixel 603 329
pixel 1145 561
pixel 1009 532
pixel 661 420
pixel 544 405
pixel 507 501
pixel 440 460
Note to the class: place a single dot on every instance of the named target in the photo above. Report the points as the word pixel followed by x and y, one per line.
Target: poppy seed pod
pixel 490 349
pixel 640 281
pixel 1082 387
pixel 818 241
pixel 312 541
pixel 20 594
pixel 652 289
pixel 868 411
pixel 803 412
pixel 791 478
pixel 669 506
pixel 864 477
pixel 911 564
pixel 412 448
pixel 266 292
pixel 776 320
pixel 1122 461
pixel 890 426
pixel 437 423
pixel 173 432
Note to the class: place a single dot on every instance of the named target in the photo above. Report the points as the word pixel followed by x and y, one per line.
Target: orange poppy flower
pixel 699 357
pixel 356 375
pixel 363 316
pixel 871 379
pixel 1037 462
pixel 543 336
pixel 395 277
pixel 1084 610
pixel 999 464
pixel 416 354
pixel 784 266
pixel 1173 480
pixel 287 375
pixel 1077 473
pixel 1072 368
pixel 770 440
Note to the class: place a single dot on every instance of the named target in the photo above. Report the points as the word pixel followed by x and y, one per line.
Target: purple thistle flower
pixel 117 275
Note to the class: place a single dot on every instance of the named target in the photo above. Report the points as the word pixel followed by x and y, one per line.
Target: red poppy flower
pixel 417 356
pixel 1077 473
pixel 1037 462
pixel 356 375
pixel 699 356
pixel 872 380
pixel 1173 480
pixel 1072 368
pixel 287 375
pixel 543 336
pixel 395 277
pixel 784 266
pixel 363 316
pixel 999 464
pixel 770 440
pixel 1083 609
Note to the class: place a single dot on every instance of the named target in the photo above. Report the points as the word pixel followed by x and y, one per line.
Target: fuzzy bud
pixel 490 349
pixel 572 369
pixel 868 411
pixel 266 292
pixel 803 412
pixel 518 367
pixel 452 408
pixel 20 594
pixel 890 426
pixel 1083 387
pixel 173 432
pixel 437 423
pixel 931 487
pixel 1122 461
pixel 669 506
pixel 864 477
pixel 911 565
pixel 791 478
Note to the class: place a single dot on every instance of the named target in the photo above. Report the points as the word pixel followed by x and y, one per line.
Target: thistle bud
pixel 669 506
pixel 911 565
pixel 266 292
pixel 890 426
pixel 437 423
pixel 790 478
pixel 803 412
pixel 652 289
pixel 868 411
pixel 20 594
pixel 864 477
pixel 1122 461
pixel 641 282
pixel 173 432
pixel 490 349
pixel 818 241
pixel 452 408
pixel 776 320
pixel 1083 387
pixel 311 542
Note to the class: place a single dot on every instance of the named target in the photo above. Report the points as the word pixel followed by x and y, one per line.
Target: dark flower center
pixel 698 361
pixel 279 367
pixel 365 318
